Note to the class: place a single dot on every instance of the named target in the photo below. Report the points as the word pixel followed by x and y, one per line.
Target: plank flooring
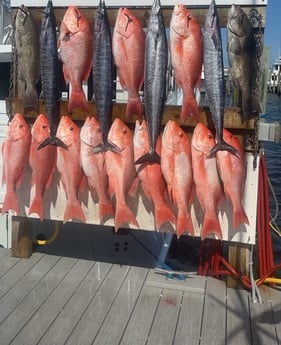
pixel 55 300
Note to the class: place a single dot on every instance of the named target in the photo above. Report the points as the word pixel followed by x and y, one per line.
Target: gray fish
pixel 103 74
pixel 155 65
pixel 27 50
pixel 214 76
pixel 243 68
pixel 49 66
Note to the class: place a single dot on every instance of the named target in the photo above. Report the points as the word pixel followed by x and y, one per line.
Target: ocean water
pixel 273 160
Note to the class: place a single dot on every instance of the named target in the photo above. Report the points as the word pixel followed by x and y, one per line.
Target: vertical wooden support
pixel 21 238
pixel 238 258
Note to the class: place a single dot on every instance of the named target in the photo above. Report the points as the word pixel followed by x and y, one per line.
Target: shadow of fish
pixel 49 66
pixel 155 66
pixel 214 76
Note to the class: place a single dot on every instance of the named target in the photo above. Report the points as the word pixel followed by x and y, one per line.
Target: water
pixel 273 159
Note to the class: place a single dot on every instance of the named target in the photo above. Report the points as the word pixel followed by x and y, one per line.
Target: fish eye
pixel 44 126
pixel 124 131
pixel 21 126
pixel 210 136
pixel 71 128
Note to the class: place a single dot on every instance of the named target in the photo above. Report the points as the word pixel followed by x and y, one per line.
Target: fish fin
pixel 82 184
pixel 223 146
pixel 134 106
pixel 77 100
pixel 239 217
pixel 150 157
pixel 10 203
pixel 36 207
pixel 211 226
pixel 52 141
pixel 103 147
pixel 72 211
pixel 184 225
pixel 163 214
pixel 190 108
pixel 124 215
pixel 106 211
pixel 30 100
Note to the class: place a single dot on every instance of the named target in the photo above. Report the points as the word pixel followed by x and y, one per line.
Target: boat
pixel 274 82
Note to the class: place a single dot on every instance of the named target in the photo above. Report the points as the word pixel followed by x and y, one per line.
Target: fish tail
pixel 52 141
pixel 190 108
pixel 163 214
pixel 37 207
pixel 73 210
pixel 30 100
pixel 134 106
pixel 150 157
pixel 105 211
pixel 239 217
pixel 124 215
pixel 184 225
pixel 10 203
pixel 211 226
pixel 222 146
pixel 78 100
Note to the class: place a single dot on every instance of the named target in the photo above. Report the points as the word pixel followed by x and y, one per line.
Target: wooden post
pixel 238 257
pixel 21 238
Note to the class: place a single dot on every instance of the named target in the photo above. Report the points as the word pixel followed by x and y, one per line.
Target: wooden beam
pixel 21 238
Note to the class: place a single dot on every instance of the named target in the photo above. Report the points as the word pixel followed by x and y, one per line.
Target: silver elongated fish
pixel 27 50
pixel 214 76
pixel 103 74
pixel 49 67
pixel 155 65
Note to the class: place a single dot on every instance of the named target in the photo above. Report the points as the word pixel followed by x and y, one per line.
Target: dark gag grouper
pixel 155 65
pixel 243 68
pixel 27 50
pixel 214 76
pixel 49 66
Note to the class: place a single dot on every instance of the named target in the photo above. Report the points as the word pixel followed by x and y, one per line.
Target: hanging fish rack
pixel 247 131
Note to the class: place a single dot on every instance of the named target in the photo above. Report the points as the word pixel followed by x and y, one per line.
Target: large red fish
pixel 151 178
pixel 42 162
pixel 68 164
pixel 121 171
pixel 93 165
pixel 207 182
pixel 186 48
pixel 128 50
pixel 76 50
pixel 232 173
pixel 177 170
pixel 15 153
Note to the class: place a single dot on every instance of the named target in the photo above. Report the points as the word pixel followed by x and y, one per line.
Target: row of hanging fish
pixel 83 49
pixel 186 171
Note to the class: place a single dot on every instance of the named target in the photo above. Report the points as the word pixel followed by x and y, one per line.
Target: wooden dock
pixel 56 300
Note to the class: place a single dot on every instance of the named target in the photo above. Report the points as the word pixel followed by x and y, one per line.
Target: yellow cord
pixel 51 239
pixel 272 280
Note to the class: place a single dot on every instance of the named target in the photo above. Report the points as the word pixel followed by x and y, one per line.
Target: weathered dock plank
pixel 190 319
pixel 6 261
pixel 166 318
pixel 26 284
pixel 118 316
pixel 140 322
pixel 214 313
pixel 238 327
pixel 16 321
pixel 97 310
pixel 70 315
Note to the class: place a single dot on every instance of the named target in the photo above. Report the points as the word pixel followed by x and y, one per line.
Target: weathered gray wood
pixel 21 238
pixel 57 300
pixel 262 322
pixel 238 328
pixel 16 321
pixel 119 314
pixel 190 319
pixel 214 313
pixel 6 261
pixel 166 317
pixel 140 322
pixel 93 317
pixel 25 285
pixel 275 298
pixel 16 273
pixel 75 307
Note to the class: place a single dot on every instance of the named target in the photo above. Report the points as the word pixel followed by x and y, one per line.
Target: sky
pixel 272 34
